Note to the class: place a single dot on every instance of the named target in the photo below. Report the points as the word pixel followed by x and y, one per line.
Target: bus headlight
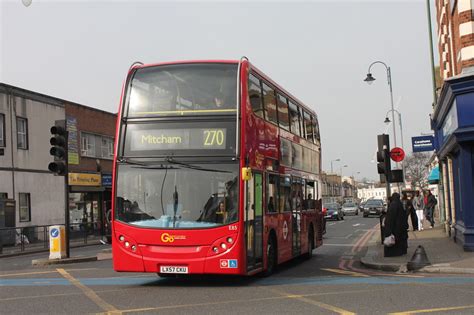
pixel 230 240
pixel 223 246
pixel 215 249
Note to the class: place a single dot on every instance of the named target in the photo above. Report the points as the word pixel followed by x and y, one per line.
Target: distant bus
pixel 216 171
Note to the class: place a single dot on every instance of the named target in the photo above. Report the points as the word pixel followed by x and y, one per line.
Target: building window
pixel 22 133
pixel 97 146
pixel 87 144
pixel 2 130
pixel 107 148
pixel 3 195
pixel 25 207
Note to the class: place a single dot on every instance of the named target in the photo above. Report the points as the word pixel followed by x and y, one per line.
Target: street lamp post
pixel 369 79
pixel 336 160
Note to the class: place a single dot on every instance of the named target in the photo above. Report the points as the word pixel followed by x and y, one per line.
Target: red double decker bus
pixel 216 171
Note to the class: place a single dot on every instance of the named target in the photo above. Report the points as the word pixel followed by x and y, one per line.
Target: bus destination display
pixel 178 139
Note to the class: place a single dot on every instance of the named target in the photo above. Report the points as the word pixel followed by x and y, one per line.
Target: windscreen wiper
pixel 151 166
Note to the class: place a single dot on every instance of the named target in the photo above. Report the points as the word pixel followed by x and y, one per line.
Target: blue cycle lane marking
pixel 115 281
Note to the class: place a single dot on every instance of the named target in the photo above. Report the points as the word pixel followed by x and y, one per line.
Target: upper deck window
pixel 183 89
pixel 283 112
pixel 295 119
pixel 308 127
pixel 255 95
pixel 269 103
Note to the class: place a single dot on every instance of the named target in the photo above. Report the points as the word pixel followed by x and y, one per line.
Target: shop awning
pixel 433 178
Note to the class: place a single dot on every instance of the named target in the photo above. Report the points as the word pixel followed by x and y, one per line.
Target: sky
pixel 319 51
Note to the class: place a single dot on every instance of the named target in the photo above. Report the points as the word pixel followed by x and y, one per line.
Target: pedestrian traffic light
pixel 58 142
pixel 383 158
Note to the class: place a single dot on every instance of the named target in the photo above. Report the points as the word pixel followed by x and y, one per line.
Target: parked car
pixel 350 208
pixel 333 212
pixel 373 207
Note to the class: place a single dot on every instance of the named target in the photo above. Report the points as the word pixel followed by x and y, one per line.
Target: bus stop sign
pixel 397 154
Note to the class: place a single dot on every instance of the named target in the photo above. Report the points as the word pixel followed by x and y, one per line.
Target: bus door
pixel 254 221
pixel 296 204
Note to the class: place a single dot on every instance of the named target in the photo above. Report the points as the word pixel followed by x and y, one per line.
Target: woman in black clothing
pixel 410 211
pixel 396 224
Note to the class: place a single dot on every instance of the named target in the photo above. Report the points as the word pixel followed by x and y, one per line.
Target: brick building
pixel 91 148
pixel 453 117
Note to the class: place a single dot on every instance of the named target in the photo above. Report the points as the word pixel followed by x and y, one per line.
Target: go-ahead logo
pixel 168 238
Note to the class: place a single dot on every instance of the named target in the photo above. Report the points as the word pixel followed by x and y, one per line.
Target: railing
pixel 36 238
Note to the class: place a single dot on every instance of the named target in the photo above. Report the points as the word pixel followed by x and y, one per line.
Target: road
pixel 332 282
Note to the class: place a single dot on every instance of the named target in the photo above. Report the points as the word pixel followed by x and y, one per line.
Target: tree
pixel 416 168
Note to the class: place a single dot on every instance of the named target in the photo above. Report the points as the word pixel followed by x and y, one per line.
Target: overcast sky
pixel 319 51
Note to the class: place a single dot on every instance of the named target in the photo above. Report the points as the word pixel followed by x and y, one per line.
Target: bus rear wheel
pixel 309 254
pixel 271 257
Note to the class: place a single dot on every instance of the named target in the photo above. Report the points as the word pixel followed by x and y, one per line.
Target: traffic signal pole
pixel 66 210
pixel 59 150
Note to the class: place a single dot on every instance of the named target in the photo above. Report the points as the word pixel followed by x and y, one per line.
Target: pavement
pixel 444 255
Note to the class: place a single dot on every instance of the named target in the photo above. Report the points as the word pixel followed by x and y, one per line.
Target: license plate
pixel 372 211
pixel 173 269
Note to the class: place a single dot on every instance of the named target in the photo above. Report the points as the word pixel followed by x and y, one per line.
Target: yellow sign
pixel 168 238
pixel 246 173
pixel 83 179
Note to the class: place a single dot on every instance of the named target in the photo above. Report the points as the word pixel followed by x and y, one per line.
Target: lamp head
pixel 370 79
pixel 387 120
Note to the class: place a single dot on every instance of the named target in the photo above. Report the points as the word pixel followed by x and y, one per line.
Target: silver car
pixel 350 208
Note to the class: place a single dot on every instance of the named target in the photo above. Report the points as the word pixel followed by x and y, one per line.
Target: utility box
pixel 7 220
pixel 57 242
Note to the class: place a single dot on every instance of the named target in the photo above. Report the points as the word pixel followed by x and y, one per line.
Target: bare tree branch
pixel 416 168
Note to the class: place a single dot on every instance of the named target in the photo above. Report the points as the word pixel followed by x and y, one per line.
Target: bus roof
pixel 254 68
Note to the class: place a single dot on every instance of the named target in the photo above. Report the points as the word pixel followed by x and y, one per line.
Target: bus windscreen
pixel 184 89
pixel 177 195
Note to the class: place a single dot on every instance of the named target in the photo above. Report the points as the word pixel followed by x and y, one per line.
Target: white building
pixel 373 192
pixel 25 120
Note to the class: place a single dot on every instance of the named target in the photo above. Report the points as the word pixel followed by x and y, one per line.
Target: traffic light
pixel 58 142
pixel 383 158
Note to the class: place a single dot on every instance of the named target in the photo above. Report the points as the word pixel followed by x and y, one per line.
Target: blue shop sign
pixel 107 180
pixel 422 143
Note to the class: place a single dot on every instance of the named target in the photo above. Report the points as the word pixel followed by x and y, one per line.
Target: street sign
pixel 422 143
pixel 397 154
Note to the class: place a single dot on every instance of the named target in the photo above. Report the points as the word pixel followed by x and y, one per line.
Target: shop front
pixel 453 123
pixel 88 203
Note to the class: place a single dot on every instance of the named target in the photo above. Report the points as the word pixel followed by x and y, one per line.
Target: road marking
pixel 346 272
pixel 51 295
pixel 313 302
pixel 149 309
pixel 441 309
pixel 40 272
pixel 357 224
pixel 88 292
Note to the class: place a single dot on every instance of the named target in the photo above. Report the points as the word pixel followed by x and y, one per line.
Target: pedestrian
pixel 410 211
pixel 396 224
pixel 430 204
pixel 418 204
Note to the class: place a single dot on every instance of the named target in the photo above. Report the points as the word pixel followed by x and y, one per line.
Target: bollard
pixel 419 259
